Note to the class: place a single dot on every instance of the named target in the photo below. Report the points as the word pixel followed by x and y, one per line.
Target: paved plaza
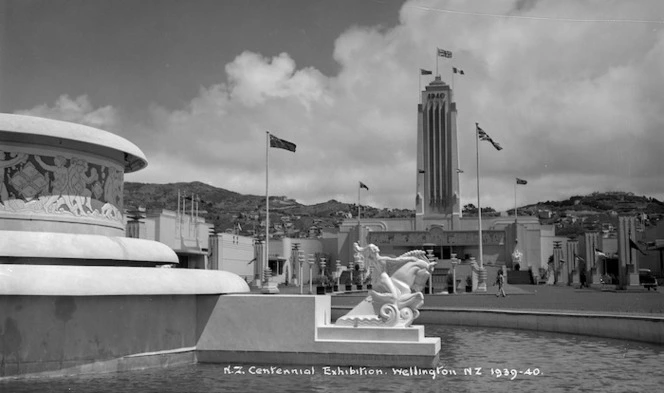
pixel 534 298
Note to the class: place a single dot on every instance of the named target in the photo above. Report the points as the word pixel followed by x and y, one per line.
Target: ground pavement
pixel 533 297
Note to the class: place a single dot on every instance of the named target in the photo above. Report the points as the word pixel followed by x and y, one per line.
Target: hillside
pixel 594 212
pixel 229 210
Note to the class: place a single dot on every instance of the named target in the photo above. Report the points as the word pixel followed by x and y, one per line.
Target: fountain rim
pixel 42 127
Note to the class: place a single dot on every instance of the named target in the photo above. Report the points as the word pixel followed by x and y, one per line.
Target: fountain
pixel 76 295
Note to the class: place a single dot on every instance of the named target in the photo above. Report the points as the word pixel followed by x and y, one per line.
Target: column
pixel 629 264
pixel 557 256
pixel 573 264
pixel 592 242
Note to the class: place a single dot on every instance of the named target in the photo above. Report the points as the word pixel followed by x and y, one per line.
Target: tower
pixel 437 195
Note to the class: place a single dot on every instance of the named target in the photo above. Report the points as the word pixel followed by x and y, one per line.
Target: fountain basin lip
pixel 55 245
pixel 35 127
pixel 50 280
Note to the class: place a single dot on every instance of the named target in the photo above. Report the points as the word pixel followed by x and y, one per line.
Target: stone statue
pixel 394 299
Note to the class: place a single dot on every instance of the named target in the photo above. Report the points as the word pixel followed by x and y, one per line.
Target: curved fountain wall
pixel 62 177
pixel 76 295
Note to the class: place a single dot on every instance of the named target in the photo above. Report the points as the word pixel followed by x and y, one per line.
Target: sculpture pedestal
pixel 384 346
pixel 296 329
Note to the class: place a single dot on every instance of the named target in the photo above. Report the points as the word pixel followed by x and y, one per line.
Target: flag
pixel 362 185
pixel 281 143
pixel 521 181
pixel 599 253
pixel 444 53
pixel 635 246
pixel 485 137
pixel 458 71
pixel 425 72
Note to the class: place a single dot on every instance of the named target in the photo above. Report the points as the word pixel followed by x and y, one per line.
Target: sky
pixel 571 89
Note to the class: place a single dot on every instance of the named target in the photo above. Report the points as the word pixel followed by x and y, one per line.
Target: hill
pixel 229 210
pixel 598 211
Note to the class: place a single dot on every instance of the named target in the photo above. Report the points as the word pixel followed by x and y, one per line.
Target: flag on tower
pixel 485 137
pixel 458 71
pixel 281 143
pixel 444 53
pixel 362 185
pixel 425 72
pixel 521 181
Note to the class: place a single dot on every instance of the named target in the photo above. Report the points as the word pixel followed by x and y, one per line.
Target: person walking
pixel 500 280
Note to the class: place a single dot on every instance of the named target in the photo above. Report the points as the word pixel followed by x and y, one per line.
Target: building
pixel 437 194
pixel 186 234
pixel 232 253
pixel 438 224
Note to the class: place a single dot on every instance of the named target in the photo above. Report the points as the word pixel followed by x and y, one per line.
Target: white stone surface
pixel 39 128
pixel 292 324
pixel 84 247
pixel 57 280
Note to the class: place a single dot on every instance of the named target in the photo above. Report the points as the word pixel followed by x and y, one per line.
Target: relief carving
pixel 60 185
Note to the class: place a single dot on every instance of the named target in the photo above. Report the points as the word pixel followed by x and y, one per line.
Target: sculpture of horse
pixel 396 298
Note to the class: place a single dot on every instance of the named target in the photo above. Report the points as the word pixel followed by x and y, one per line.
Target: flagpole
pixel 359 225
pixel 516 214
pixel 267 207
pixel 184 210
pixel 419 87
pixel 479 208
pixel 437 74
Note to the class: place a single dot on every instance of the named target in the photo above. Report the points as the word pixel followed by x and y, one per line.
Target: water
pixel 526 362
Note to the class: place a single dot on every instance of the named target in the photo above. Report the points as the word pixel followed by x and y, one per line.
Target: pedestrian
pixel 583 279
pixel 500 280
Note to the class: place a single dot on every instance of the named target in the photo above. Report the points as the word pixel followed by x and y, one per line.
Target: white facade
pixel 186 234
pixel 232 253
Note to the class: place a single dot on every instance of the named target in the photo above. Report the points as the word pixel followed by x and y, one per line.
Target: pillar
pixel 592 242
pixel 573 276
pixel 557 260
pixel 629 264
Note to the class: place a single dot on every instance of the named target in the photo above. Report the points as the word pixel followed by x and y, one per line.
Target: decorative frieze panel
pixel 436 236
pixel 59 184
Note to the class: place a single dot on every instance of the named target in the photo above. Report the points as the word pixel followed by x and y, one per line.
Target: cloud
pixel 572 90
pixel 78 110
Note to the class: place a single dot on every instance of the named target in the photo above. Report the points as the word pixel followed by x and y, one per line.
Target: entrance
pixel 612 269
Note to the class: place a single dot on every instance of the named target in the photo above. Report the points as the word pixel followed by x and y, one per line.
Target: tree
pixel 470 209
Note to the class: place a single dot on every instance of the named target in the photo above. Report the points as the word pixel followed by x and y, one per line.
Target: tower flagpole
pixel 359 224
pixel 267 207
pixel 479 207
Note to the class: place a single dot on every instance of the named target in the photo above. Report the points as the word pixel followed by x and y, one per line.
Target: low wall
pixel 79 334
pixel 648 329
pixel 57 320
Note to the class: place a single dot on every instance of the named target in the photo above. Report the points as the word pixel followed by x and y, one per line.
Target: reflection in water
pixel 498 360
